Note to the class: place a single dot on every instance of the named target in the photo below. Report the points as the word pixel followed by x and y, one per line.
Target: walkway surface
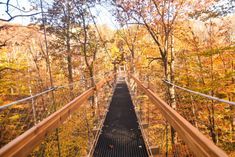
pixel 121 136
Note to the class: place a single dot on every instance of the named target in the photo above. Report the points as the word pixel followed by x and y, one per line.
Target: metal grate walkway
pixel 121 136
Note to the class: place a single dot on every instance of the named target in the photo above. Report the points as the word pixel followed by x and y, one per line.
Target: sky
pixel 104 17
pixel 19 4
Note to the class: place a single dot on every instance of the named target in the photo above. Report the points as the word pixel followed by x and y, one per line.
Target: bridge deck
pixel 121 136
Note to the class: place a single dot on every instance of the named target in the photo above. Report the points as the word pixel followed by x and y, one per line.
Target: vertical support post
pixel 166 139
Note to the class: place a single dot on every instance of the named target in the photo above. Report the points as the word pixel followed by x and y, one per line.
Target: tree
pixel 158 17
pixel 62 19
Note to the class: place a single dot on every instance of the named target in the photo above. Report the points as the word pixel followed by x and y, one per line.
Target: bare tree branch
pixel 3 44
pixel 13 17
pixel 11 5
pixel 7 68
pixel 151 59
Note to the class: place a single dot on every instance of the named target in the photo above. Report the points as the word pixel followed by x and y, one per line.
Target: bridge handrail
pixel 25 143
pixel 199 144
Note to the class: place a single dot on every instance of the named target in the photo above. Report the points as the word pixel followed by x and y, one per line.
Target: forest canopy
pixel 190 43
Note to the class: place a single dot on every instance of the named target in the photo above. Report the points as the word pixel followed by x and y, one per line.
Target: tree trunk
pixel 172 74
pixel 232 121
pixel 194 109
pixel 201 69
pixel 232 108
pixel 92 84
pixel 212 121
pixel 69 55
pixel 172 88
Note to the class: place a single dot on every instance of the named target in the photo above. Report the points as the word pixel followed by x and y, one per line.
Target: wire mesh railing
pixel 213 116
pixel 20 116
pixel 55 136
pixel 157 129
pixel 78 134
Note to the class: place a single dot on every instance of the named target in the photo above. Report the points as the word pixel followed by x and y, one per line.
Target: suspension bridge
pixel 117 131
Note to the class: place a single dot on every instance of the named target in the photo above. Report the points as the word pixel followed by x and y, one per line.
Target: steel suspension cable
pixel 42 93
pixel 25 99
pixel 201 94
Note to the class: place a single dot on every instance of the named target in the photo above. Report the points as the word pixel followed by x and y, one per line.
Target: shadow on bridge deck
pixel 120 135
